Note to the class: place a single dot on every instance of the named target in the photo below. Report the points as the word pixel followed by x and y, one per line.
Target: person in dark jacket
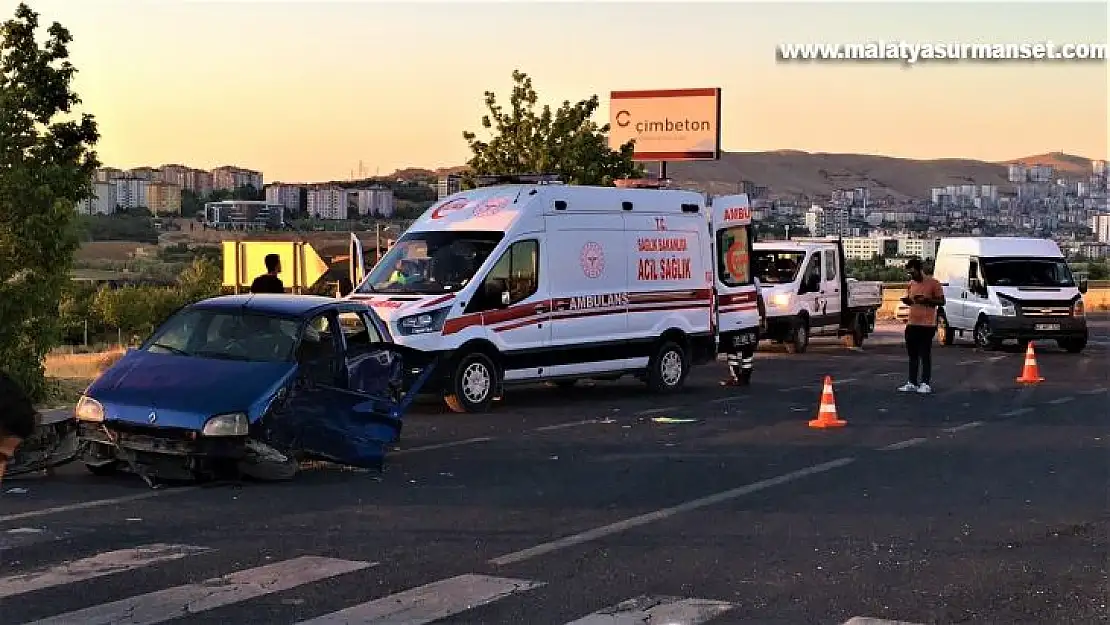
pixel 269 282
pixel 17 419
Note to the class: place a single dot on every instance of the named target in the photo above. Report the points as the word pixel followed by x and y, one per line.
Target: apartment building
pixel 328 203
pixel 103 201
pixel 287 195
pixel 373 202
pixel 1100 225
pixel 826 221
pixel 150 174
pixel 163 197
pixel 447 185
pixel 108 174
pixel 130 192
pixel 230 177
pixel 867 248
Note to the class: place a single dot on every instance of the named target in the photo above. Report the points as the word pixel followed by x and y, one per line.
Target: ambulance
pixel 527 280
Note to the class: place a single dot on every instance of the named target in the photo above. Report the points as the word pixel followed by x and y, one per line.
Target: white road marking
pixel 844 381
pixel 889 374
pixel 179 601
pixel 969 361
pixel 658 515
pixel 563 426
pixel 1060 400
pixel 97 503
pixel 449 444
pixel 431 602
pixel 860 620
pixel 651 411
pixel 964 426
pixel 107 563
pixel 1017 412
pixel 657 611
pixel 1093 391
pixel 903 444
pixel 997 358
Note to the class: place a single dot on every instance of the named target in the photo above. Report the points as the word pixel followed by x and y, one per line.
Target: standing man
pixel 17 419
pixel 741 363
pixel 923 295
pixel 269 282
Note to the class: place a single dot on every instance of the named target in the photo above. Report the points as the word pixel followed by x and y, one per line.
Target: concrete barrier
pixel 1097 297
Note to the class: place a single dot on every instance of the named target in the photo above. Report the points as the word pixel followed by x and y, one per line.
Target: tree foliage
pixel 565 141
pixel 46 165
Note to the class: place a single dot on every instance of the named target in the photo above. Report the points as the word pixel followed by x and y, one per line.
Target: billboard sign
pixel 667 125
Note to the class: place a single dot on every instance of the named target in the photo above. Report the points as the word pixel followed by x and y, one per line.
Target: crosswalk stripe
pixel 179 601
pixel 646 610
pixel 107 563
pixel 428 603
pixel 864 620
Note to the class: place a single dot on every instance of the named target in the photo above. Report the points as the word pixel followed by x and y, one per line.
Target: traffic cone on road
pixel 826 414
pixel 1030 374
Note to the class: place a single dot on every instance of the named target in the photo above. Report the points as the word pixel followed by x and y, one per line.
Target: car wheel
pixel 103 470
pixel 799 340
pixel 982 334
pixel 667 368
pixel 473 384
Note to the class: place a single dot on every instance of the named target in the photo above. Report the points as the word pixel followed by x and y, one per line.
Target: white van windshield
pixel 1042 272
pixel 776 266
pixel 431 263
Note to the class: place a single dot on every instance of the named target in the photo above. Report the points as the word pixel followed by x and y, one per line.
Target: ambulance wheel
pixel 473 384
pixel 667 368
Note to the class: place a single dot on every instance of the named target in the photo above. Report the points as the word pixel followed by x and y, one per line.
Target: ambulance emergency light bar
pixel 500 179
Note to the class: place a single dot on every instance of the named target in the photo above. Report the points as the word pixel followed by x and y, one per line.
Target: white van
pixel 1001 288
pixel 523 283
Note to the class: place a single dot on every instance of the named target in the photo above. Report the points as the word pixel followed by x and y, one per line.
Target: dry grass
pixel 109 250
pixel 80 366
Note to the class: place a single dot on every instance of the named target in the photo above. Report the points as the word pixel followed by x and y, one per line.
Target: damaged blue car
pixel 252 385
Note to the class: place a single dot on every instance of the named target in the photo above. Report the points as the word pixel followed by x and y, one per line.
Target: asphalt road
pixel 985 502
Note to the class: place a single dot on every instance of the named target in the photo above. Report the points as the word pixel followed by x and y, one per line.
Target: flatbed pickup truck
pixel 808 294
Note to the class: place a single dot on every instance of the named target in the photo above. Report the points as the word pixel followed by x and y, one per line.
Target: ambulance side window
pixel 733 256
pixel 516 272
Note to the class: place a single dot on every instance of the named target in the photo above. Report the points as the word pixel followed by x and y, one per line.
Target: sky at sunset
pixel 305 90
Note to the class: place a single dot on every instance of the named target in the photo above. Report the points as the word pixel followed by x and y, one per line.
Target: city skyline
pixel 313 110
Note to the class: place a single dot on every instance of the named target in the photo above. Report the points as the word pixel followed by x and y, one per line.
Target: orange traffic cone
pixel 826 414
pixel 1030 374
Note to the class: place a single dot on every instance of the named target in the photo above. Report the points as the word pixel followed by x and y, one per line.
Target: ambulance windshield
pixel 431 263
pixel 776 266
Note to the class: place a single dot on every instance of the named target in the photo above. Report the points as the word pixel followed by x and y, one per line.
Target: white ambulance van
pixel 1009 288
pixel 522 283
pixel 734 289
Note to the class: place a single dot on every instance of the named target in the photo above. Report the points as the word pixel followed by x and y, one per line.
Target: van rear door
pixel 734 290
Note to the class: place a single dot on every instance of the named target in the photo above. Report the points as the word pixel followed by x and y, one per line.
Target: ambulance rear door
pixel 734 290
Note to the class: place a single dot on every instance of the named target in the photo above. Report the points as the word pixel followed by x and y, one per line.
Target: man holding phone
pixel 923 295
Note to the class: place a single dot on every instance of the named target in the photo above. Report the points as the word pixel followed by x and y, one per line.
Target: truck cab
pixel 807 293
pixel 1009 288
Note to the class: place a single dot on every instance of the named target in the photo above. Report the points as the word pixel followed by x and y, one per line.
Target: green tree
pixel 200 280
pixel 566 141
pixel 46 167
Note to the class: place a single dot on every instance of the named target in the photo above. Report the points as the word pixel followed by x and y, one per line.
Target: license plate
pixel 1047 327
pixel 743 339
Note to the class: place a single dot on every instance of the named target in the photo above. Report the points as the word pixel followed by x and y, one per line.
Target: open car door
pixel 734 289
pixel 351 394
pixel 357 265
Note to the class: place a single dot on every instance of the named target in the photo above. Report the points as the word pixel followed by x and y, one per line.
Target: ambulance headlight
pixel 423 323
pixel 780 300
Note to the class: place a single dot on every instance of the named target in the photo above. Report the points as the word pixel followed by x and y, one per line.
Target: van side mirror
pixel 976 286
pixel 1083 285
pixel 506 299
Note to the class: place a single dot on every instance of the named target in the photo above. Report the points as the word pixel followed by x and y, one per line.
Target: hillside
pixel 788 172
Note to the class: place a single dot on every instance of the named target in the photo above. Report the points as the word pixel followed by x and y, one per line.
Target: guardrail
pixel 1097 297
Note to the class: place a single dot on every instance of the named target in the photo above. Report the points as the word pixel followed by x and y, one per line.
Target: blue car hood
pixel 185 391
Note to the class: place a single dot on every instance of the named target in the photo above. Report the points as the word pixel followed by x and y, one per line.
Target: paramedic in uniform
pixel 740 363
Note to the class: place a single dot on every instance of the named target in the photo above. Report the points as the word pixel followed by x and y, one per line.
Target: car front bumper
pixel 169 452
pixel 1033 328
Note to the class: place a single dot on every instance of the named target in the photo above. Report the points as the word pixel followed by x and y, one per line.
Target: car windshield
pixel 776 266
pixel 431 263
pixel 1035 272
pixel 226 335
